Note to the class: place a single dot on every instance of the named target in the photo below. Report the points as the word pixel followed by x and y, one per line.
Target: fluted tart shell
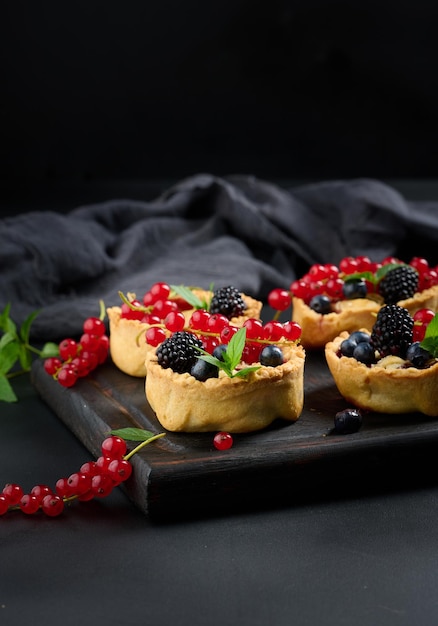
pixel 386 387
pixel 236 405
pixel 350 315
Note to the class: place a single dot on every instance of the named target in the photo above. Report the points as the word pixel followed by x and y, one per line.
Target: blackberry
pixel 392 332
pixel 179 352
pixel 227 301
pixel 399 283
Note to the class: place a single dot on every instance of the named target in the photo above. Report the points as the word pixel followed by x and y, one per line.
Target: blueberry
pixel 349 345
pixel 417 355
pixel 321 304
pixel 360 335
pixel 202 370
pixel 355 288
pixel 364 352
pixel 219 350
pixel 271 356
pixel 348 421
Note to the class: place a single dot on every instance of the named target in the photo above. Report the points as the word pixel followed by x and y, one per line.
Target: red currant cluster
pixel 95 479
pixel 155 305
pixel 215 329
pixel 328 279
pixel 421 318
pixel 78 358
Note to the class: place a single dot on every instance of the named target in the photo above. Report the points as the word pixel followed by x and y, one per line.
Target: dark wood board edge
pixel 179 481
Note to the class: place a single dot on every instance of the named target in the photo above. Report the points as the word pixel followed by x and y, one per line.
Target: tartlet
pixel 236 405
pixel 128 347
pixel 389 386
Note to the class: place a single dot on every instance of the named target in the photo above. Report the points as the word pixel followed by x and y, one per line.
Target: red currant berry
pixel 199 319
pixel 102 463
pixel 254 328
pixel 227 333
pixel 81 366
pixel 68 348
pixel 127 312
pixel 217 322
pixel 279 299
pixel 301 289
pixel 119 470
pixel 292 330
pixel 159 291
pixel 334 288
pixel 52 365
pixel 39 491
pixel 251 352
pixel 174 321
pixel 52 505
pixel 79 483
pixel 67 376
pixel 94 326
pixel 155 335
pixel 223 441
pixel 273 331
pixel 90 468
pixel 348 265
pixel 4 504
pixel 90 342
pixel 209 344
pixel 101 485
pixel 29 504
pixel 13 492
pixel 163 308
pixel 62 488
pixel 424 316
pixel 92 359
pixel 114 446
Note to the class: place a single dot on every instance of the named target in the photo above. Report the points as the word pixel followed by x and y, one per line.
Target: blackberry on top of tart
pixel 394 367
pixel 330 299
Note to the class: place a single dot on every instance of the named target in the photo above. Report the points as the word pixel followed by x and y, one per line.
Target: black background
pixel 139 91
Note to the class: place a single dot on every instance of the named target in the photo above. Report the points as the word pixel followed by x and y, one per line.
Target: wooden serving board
pixel 183 474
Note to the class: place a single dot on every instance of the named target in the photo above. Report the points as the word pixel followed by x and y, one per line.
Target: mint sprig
pixel 16 352
pixel 430 340
pixel 187 294
pixel 375 278
pixel 231 357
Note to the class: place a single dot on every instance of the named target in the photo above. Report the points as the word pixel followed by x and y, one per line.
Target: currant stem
pixel 142 445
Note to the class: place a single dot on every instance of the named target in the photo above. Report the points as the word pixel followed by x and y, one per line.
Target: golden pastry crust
pixel 383 389
pixel 350 315
pixel 236 405
pixel 128 347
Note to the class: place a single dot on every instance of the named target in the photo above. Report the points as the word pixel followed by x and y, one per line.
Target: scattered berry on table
pixel 223 441
pixel 348 421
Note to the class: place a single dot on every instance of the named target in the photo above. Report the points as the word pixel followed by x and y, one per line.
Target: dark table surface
pixel 365 558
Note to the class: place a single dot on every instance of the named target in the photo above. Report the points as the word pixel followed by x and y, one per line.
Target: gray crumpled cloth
pixel 203 231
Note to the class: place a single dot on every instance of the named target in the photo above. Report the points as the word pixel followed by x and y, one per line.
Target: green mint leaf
pixel 187 294
pixel 430 341
pixel 231 357
pixel 8 356
pixel 49 349
pixel 24 356
pixel 245 371
pixel 369 276
pixel 7 394
pixel 133 434
pixel 6 339
pixel 25 327
pixel 6 324
pixel 382 271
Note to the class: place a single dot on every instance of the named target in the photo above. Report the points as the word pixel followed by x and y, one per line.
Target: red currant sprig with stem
pixel 76 359
pixel 94 479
